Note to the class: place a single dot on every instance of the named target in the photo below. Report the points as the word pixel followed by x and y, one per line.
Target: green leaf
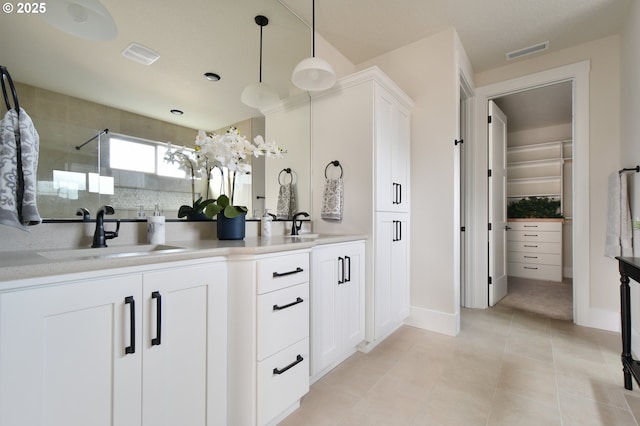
pixel 212 210
pixel 223 201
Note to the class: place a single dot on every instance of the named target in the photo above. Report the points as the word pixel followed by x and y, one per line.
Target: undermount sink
pixel 110 252
pixel 302 236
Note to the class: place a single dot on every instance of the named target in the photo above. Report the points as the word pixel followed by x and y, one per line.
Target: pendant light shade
pixel 313 73
pixel 259 94
pixel 87 19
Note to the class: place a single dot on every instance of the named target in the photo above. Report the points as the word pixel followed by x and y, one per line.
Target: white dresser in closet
pixel 534 248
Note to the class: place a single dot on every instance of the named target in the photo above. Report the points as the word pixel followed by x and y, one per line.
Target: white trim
pixel 578 73
pixel 437 321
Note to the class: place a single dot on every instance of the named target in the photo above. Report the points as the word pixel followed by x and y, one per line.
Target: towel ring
pixel 288 171
pixel 334 163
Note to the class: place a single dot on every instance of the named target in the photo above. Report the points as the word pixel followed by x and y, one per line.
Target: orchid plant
pixel 231 151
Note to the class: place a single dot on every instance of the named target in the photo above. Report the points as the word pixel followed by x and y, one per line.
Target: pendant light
pixel 87 19
pixel 259 95
pixel 313 73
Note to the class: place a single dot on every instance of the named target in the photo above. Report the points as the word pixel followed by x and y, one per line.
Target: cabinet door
pixel 352 295
pixel 64 360
pixel 391 299
pixel 324 313
pixel 184 368
pixel 392 153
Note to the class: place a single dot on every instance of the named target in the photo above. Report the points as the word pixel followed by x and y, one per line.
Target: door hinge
pixel 489 173
pixel 490 280
pixel 458 141
pixel 489 120
pixel 462 229
pixel 490 226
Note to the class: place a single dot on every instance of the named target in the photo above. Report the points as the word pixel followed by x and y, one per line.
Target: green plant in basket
pixel 198 207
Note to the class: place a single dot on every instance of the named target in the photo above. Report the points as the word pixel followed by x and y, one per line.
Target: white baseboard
pixel 439 322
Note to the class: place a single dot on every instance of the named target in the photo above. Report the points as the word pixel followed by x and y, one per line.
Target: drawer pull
pixel 531 246
pixel 284 274
pixel 527 267
pixel 530 235
pixel 530 226
pixel 298 360
pixel 531 257
pixel 279 308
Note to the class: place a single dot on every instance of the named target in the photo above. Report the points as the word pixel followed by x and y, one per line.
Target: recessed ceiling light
pixel 176 112
pixel 211 76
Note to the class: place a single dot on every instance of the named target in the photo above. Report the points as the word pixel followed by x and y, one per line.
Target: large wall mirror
pixel 75 88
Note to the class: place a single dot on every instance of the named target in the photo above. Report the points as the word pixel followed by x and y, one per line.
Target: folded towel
pixel 19 144
pixel 619 235
pixel 332 200
pixel 286 206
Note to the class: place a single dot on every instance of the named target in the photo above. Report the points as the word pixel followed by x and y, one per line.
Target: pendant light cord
pixel 313 28
pixel 260 53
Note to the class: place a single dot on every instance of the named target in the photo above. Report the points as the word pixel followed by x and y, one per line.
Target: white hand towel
pixel 18 167
pixel 619 239
pixel 333 200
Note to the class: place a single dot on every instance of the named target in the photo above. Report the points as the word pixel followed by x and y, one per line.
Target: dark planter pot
pixel 231 229
pixel 197 216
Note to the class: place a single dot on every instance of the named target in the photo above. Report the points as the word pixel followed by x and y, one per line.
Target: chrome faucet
pixel 100 236
pixel 295 227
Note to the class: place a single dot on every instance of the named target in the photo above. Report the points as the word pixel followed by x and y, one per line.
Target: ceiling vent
pixel 527 51
pixel 139 53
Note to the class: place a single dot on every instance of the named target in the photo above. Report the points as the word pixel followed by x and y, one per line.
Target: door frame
pixel 477 284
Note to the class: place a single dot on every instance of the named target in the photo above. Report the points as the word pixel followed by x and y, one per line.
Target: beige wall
pixel 630 135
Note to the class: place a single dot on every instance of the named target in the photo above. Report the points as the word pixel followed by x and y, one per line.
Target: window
pixel 138 155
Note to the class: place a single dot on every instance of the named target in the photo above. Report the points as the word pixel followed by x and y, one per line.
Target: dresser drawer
pixel 536 258
pixel 282 271
pixel 283 319
pixel 282 379
pixel 536 226
pixel 534 247
pixel 533 271
pixel 534 236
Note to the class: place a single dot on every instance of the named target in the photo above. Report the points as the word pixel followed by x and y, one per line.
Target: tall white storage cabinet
pixel 364 123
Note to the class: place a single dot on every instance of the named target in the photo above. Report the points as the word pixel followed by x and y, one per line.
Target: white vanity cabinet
pixel 93 348
pixel 337 304
pixel 268 336
pixel 364 123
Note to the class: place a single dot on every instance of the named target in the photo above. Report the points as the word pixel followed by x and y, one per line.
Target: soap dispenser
pixel 156 227
pixel 265 222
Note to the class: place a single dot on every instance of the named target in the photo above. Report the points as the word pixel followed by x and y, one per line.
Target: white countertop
pixel 21 265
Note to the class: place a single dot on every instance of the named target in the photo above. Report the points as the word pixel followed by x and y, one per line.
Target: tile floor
pixel 506 367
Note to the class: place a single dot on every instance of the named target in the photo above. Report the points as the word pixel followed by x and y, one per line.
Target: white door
pixel 497 204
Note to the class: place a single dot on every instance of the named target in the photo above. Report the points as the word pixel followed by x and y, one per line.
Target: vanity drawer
pixel 283 319
pixel 534 247
pixel 534 236
pixel 533 271
pixel 282 271
pixel 535 258
pixel 277 392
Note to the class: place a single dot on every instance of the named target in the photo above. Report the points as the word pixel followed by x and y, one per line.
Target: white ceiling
pixel 196 36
